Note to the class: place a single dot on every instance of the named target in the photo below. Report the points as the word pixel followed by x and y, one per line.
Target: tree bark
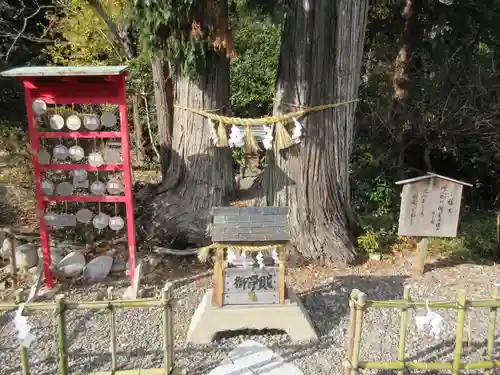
pixel 320 62
pixel 200 175
pixel 139 142
pixel 163 94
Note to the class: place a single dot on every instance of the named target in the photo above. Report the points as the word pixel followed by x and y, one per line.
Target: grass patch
pixel 475 241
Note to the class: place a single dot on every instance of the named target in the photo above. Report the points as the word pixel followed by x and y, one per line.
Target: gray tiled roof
pixel 250 224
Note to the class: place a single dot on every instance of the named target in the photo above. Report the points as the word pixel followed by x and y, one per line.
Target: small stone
pixel 26 256
pixel 98 268
pixel 46 293
pixel 119 265
pixel 72 264
pixel 6 250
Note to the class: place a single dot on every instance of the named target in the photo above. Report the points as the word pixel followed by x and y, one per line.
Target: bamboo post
pixel 403 328
pixel 168 328
pixel 281 269
pixel 359 303
pixel 422 251
pixel 112 315
pixel 461 305
pixel 351 328
pixel 62 349
pixel 10 238
pixel 492 328
pixel 218 291
pixel 24 350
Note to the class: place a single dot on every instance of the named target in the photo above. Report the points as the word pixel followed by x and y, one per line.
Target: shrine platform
pixel 290 317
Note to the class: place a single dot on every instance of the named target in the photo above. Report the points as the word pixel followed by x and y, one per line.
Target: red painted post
pixel 35 148
pixel 127 178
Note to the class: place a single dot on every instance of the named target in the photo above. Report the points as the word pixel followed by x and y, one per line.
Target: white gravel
pixel 140 343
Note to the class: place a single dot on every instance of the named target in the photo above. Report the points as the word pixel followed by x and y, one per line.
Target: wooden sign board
pixel 248 286
pixel 430 207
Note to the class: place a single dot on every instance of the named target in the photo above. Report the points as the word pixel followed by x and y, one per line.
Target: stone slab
pixel 251 357
pixel 290 317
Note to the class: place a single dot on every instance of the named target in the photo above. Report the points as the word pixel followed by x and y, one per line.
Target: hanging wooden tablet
pixel 56 122
pixel 60 153
pixel 114 186
pixel 96 159
pixel 112 155
pixel 47 187
pixel 84 216
pixel 64 189
pixel 100 222
pixel 39 107
pixel 80 179
pixel 76 153
pixel 67 220
pixel 51 219
pixel 116 223
pixel 73 122
pixel 43 157
pixel 98 188
pixel 91 122
pixel 108 120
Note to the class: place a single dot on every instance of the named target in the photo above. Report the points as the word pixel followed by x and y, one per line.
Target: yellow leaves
pixel 84 37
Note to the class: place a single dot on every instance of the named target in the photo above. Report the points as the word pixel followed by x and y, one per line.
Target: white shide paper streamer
pixel 260 260
pixel 430 319
pixel 236 137
pixel 297 131
pixel 267 141
pixel 213 132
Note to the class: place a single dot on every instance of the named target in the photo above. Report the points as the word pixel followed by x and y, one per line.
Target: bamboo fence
pixel 61 306
pixel 358 304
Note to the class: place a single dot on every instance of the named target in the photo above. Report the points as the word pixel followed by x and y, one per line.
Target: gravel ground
pixel 324 292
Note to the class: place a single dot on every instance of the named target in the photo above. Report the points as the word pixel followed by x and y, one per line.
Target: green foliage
pixel 253 74
pixel 369 241
pixel 83 36
pixel 447 125
pixel 475 240
pixel 178 31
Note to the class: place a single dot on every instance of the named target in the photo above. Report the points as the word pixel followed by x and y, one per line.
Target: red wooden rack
pixel 70 86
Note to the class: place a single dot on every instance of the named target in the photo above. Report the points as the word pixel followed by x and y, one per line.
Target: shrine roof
pixel 65 71
pixel 250 224
pixel 430 175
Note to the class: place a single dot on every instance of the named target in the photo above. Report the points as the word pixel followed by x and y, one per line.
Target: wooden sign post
pixel 430 207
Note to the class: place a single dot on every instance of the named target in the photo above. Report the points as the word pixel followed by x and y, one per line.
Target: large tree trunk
pixel 199 176
pixel 320 62
pixel 163 94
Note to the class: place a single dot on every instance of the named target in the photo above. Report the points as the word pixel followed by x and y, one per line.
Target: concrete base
pixel 291 317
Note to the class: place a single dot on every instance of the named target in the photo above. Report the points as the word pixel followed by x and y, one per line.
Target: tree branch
pixel 27 37
pixel 119 35
pixel 26 19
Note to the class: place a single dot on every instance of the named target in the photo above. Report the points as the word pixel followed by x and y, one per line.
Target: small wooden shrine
pixel 245 275
pixel 249 289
